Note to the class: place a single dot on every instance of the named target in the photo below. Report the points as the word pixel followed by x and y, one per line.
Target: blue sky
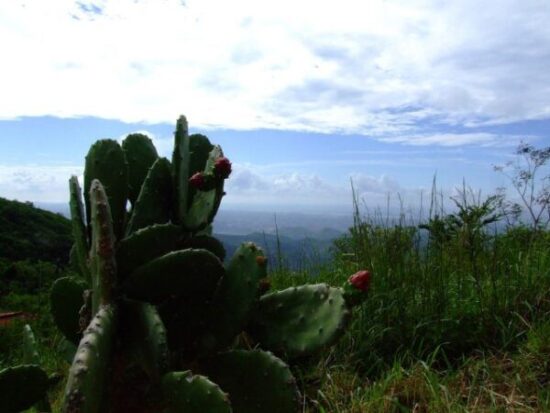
pixel 384 92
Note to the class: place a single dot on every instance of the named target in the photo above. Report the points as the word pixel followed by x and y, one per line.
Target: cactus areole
pixel 163 311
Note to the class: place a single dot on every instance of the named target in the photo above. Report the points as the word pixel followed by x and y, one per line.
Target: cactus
pixel 156 313
pixel 26 385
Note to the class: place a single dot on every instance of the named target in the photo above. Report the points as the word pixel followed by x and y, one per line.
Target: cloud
pixel 37 183
pixel 249 184
pixel 383 68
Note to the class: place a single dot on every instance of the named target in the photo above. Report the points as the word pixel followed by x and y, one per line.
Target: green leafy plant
pixel 160 324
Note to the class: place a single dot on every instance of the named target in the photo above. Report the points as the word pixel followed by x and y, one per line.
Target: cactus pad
pixel 66 299
pixel 144 245
pixel 206 242
pixel 185 392
pixel 102 254
pixel 21 387
pixel 30 347
pixel 87 382
pixel 180 165
pixel 140 154
pixel 205 204
pixel 256 381
pixel 236 296
pixel 153 205
pixel 146 337
pixel 186 273
pixel 79 230
pixel 105 162
pixel 300 320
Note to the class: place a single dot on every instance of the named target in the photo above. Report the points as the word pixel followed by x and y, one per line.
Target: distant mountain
pixel 33 233
pixel 27 232
pixel 284 251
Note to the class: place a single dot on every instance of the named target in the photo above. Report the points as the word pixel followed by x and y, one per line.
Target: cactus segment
pixel 153 206
pixel 300 320
pixel 144 245
pixel 187 273
pixel 206 242
pixel 236 296
pixel 105 162
pixel 185 392
pixel 205 204
pixel 22 387
pixel 146 337
pixel 199 149
pixel 140 153
pixel 66 299
pixel 31 356
pixel 180 165
pixel 87 384
pixel 102 255
pixel 79 230
pixel 256 381
pixel 30 347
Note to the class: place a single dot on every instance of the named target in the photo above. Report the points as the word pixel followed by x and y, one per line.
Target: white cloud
pixel 249 184
pixel 376 67
pixel 37 183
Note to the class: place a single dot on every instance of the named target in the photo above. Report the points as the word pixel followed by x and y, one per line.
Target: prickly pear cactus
pixel 157 313
pixel 26 385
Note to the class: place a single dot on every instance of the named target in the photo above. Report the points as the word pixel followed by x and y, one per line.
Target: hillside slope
pixel 29 233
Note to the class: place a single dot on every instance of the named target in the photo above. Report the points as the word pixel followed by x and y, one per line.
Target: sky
pixel 304 96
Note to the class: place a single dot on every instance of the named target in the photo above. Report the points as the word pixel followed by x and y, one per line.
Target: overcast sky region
pixel 304 96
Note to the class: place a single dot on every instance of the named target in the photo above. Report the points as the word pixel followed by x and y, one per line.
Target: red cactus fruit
pixel 360 280
pixel 197 180
pixel 222 167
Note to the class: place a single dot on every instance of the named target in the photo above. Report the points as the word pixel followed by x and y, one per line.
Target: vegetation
pixel 456 320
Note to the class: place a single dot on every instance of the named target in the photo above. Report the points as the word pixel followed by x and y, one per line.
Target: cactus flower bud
pixel 222 167
pixel 197 181
pixel 360 280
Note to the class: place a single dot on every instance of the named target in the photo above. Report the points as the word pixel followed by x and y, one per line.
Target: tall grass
pixel 447 284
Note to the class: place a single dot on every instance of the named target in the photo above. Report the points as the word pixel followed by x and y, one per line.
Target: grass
pixel 451 323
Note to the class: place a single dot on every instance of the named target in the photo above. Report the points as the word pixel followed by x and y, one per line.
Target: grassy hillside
pixel 28 233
